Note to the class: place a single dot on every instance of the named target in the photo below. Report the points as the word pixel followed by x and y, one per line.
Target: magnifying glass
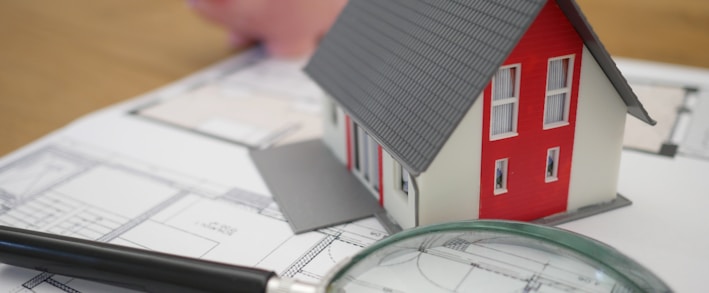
pixel 468 256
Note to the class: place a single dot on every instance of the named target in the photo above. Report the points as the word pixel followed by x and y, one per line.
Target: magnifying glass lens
pixel 492 256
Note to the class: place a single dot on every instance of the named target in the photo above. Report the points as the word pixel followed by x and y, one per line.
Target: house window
pixel 558 92
pixel 333 112
pixel 404 180
pixel 374 151
pixel 552 169
pixel 355 146
pixel 505 98
pixel 363 152
pixel 365 156
pixel 500 176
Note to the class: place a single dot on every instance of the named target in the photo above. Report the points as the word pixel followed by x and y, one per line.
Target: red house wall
pixel 528 196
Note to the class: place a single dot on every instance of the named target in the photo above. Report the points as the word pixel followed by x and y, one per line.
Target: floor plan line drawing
pixel 42 277
pixel 61 286
pixel 263 205
pixel 239 104
pixel 298 266
pixel 29 183
pixel 140 219
pixel 65 189
pixel 491 265
pixel 678 98
pixel 47 185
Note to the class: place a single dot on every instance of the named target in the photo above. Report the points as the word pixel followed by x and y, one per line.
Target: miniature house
pixel 450 110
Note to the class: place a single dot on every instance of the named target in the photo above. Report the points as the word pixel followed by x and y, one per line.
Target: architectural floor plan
pixel 492 265
pixel 84 193
pixel 678 98
pixel 256 103
pixel 146 174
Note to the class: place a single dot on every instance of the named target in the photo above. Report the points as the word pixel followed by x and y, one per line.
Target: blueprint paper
pixel 180 191
pixel 116 177
pixel 680 95
pixel 313 188
pixel 232 107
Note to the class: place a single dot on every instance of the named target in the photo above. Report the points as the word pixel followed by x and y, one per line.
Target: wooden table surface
pixel 60 60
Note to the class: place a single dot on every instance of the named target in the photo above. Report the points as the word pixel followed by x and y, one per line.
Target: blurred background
pixel 60 60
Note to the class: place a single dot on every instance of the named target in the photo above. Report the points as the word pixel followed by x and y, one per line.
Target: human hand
pixel 287 28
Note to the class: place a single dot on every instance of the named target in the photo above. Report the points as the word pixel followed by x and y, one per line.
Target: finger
pixel 290 48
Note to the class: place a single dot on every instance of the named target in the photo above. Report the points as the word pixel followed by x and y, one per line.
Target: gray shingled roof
pixel 408 71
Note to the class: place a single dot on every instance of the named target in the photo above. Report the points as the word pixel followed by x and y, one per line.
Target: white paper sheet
pixel 119 177
pixel 116 177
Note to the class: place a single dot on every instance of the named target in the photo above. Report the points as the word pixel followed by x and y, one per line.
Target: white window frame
pixel 334 115
pixel 502 164
pixel 364 163
pixel 554 154
pixel 403 179
pixel 355 147
pixel 374 164
pixel 366 157
pixel 565 90
pixel 514 100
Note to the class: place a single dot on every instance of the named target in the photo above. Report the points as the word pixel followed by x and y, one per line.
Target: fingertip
pixel 238 40
pixel 290 49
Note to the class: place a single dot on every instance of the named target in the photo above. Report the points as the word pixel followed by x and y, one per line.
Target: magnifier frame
pixel 614 263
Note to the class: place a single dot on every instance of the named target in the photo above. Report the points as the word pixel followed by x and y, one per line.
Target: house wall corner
pixel 334 129
pixel 400 206
pixel 450 189
pixel 600 123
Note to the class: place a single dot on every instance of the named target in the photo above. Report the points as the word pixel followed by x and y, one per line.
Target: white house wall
pixel 598 141
pixel 452 182
pixel 400 206
pixel 334 133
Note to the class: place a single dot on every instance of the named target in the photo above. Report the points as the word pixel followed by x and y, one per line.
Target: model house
pixel 450 110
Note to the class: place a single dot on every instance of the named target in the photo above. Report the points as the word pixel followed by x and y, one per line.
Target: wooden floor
pixel 60 60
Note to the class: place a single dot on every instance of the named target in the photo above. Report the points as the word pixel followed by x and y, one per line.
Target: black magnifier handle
pixel 124 266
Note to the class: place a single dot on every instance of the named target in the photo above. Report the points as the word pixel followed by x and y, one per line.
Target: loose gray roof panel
pixel 408 71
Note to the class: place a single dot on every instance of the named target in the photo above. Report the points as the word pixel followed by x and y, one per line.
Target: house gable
pixel 598 141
